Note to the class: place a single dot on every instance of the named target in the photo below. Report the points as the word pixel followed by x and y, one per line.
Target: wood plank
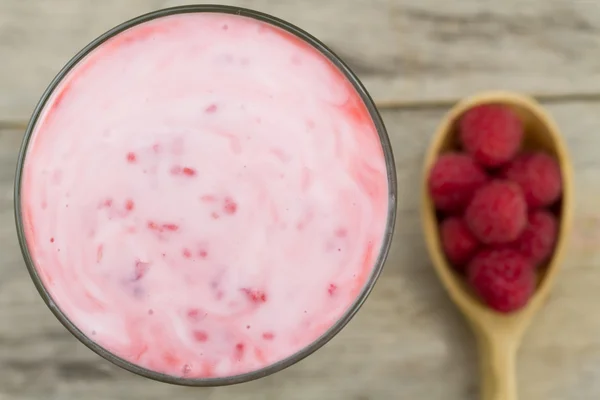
pixel 404 50
pixel 407 342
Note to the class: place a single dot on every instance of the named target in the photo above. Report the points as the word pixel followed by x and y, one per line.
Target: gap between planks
pixel 21 125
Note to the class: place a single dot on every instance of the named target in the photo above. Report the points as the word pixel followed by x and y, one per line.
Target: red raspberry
pixel 538 174
pixel 492 133
pixel 458 242
pixel 503 278
pixel 453 180
pixel 539 237
pixel 498 213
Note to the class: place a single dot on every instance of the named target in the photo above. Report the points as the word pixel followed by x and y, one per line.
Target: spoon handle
pixel 498 368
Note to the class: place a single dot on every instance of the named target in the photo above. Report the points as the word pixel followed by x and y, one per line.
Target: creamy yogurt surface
pixel 204 195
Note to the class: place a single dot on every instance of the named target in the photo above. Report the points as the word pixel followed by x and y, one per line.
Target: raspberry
pixel 189 171
pixel 200 336
pixel 503 278
pixel 458 242
pixel 492 133
pixel 538 174
pixel 331 289
pixel 538 239
pixel 255 296
pixel 498 213
pixel 453 180
pixel 230 206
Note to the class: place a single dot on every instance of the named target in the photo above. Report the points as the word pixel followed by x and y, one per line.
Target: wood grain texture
pixel 407 342
pixel 407 50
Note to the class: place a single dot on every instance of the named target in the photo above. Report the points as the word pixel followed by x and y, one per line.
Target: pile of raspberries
pixel 495 200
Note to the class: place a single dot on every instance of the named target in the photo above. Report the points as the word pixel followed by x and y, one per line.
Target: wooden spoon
pixel 498 335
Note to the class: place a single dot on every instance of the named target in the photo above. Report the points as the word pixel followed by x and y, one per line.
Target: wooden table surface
pixel 416 57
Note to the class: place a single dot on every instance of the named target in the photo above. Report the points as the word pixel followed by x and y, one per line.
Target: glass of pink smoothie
pixel 205 195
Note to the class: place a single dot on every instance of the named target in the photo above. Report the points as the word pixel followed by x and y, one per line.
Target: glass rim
pixel 335 328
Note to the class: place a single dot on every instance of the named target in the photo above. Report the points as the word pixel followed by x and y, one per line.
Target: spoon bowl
pixel 498 335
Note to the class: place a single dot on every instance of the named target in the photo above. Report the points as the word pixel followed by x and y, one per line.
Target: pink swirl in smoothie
pixel 204 195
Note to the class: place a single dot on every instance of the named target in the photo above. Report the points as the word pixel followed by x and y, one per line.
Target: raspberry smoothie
pixel 204 195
